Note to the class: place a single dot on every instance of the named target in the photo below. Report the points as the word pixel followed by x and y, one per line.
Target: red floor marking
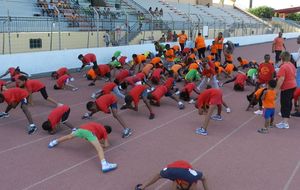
pixel 287 185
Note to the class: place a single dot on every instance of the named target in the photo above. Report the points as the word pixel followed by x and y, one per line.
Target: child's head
pixel 80 57
pixel 91 106
pixel 21 81
pixel 272 84
pixel 184 95
pixel 123 85
pixel 1 98
pixel 107 129
pixel 47 126
pixel 128 99
pixel 213 42
pixel 208 86
pixel 134 56
pixel 55 87
pixel 267 58
pixel 54 75
pixel 167 46
pixel 239 59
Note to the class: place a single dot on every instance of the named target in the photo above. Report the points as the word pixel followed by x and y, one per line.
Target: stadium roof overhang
pixel 288 10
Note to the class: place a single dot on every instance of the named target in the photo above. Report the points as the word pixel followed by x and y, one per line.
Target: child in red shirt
pixel 57 116
pixel 63 82
pixel 13 97
pixel 107 104
pixel 185 93
pixel 101 71
pixel 94 133
pixel 135 94
pixel 33 86
pixel 211 98
pixel 60 72
pixel 108 88
pixel 164 90
pixel 87 59
pixel 239 81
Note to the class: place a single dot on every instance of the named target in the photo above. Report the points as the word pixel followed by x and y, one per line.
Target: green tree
pixel 262 12
pixel 294 16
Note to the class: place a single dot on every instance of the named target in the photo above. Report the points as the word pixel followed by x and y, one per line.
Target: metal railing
pixel 122 31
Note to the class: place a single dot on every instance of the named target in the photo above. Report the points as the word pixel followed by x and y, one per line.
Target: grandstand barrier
pixel 48 61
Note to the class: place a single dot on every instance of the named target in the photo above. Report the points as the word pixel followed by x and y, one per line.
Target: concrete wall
pixel 69 40
pixel 42 62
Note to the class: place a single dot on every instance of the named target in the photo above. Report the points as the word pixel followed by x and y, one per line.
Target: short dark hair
pixel 134 55
pixel 54 75
pixel 47 126
pixel 23 78
pixel 128 99
pixel 239 58
pixel 89 105
pixel 184 95
pixel 124 85
pixel 208 86
pixel 80 56
pixel 272 83
pixel 108 129
pixel 56 87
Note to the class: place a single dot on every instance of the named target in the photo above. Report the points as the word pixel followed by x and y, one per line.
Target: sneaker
pixel 296 114
pixel 93 95
pixel 216 117
pixel 151 116
pixel 92 84
pixel 106 80
pixel 228 110
pixel 109 167
pixel 263 130
pixel 74 129
pixel 192 101
pixel 279 113
pixel 4 115
pixel 177 93
pixel 75 89
pixel 201 131
pixel 126 133
pixel 258 112
pixel 32 129
pixel 59 104
pixel 52 144
pixel 282 125
pixel 180 105
pixel 72 79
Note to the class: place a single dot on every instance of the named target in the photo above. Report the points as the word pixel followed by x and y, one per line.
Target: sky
pixel 276 4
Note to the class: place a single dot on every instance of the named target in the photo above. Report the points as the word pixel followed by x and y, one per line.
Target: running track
pixel 233 156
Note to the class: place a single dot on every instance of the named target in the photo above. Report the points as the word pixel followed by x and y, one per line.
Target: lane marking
pixel 289 181
pixel 214 146
pixel 111 149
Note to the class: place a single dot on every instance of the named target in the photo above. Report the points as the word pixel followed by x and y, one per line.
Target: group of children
pixel 149 77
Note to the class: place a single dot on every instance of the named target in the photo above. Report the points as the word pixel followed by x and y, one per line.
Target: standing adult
pixel 296 57
pixel 106 39
pixel 219 43
pixel 182 39
pixel 278 46
pixel 286 84
pixel 200 45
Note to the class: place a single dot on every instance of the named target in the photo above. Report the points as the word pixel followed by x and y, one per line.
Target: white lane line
pixel 289 181
pixel 113 148
pixel 214 146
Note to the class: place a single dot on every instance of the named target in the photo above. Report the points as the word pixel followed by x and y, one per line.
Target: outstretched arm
pixel 153 180
pixel 6 73
pixel 229 81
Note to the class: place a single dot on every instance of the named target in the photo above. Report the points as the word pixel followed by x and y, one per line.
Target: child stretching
pixel 63 83
pixel 94 133
pixel 268 100
pixel 107 104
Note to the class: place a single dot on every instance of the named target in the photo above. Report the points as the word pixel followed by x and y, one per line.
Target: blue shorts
pixel 269 113
pixel 114 106
pixel 144 94
pixel 24 101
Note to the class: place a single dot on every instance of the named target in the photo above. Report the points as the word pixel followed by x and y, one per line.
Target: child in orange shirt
pixel 269 101
pixel 213 49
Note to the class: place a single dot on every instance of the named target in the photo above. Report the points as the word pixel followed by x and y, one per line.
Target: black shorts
pixel 65 116
pixel 189 175
pixel 238 87
pixel 44 93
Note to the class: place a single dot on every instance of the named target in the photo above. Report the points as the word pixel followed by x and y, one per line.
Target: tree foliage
pixel 262 12
pixel 294 16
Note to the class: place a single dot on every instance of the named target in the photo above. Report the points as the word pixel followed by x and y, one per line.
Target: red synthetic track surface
pixel 233 156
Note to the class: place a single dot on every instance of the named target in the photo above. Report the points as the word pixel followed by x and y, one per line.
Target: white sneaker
pixel 52 144
pixel 59 104
pixel 282 125
pixel 279 113
pixel 192 101
pixel 177 93
pixel 216 117
pixel 75 89
pixel 93 95
pixel 72 79
pixel 228 110
pixel 258 112
pixel 109 167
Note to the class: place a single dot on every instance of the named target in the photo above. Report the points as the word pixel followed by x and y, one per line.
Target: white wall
pixel 41 62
